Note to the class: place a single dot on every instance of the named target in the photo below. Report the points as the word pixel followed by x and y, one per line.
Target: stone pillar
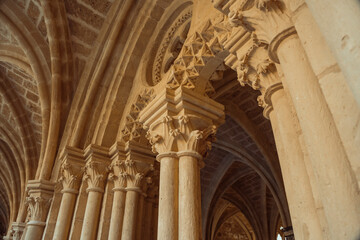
pixel 40 196
pixel 291 157
pixel 18 230
pixel 336 181
pixel 334 177
pixel 168 196
pixel 180 126
pixel 96 167
pixel 71 178
pixel 118 176
pixel 138 163
pixel 339 98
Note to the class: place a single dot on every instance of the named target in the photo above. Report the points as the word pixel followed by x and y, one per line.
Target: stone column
pixel 336 180
pixel 118 176
pixel 168 196
pixel 339 98
pixel 95 175
pixel 138 163
pixel 180 125
pixel 338 23
pixel 71 178
pixel 291 157
pixel 334 177
pixel 40 196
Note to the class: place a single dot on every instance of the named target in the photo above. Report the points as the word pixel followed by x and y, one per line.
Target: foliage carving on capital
pixel 70 176
pixel 95 175
pixel 267 18
pixel 136 172
pixel 38 207
pixel 180 134
pixel 118 173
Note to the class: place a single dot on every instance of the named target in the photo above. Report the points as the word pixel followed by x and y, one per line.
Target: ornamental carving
pixel 70 176
pixel 136 172
pixel 95 175
pixel 179 134
pixel 38 207
pixel 171 45
pixel 133 129
pixel 118 174
pixel 198 50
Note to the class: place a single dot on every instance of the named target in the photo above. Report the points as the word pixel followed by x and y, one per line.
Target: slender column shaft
pixel 305 223
pixel 65 214
pixel 117 215
pixel 91 216
pixel 34 230
pixel 168 198
pixel 189 214
pixel 337 183
pixel 129 224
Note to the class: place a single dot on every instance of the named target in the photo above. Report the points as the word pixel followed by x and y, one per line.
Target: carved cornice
pixel 96 168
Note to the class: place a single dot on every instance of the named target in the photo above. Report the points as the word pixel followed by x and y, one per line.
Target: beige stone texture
pixel 179 119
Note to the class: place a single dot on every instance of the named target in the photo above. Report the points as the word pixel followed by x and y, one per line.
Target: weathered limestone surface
pixel 181 120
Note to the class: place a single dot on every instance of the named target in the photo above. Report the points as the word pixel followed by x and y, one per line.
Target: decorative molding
pixel 133 129
pixel 171 45
pixel 199 48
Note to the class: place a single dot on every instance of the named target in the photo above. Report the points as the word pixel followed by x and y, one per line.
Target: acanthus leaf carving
pixel 38 207
pixel 70 176
pixel 94 175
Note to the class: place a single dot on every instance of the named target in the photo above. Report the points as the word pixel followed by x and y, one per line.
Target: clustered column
pixel 181 136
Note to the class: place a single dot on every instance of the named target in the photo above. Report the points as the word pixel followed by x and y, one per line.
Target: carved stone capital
pixel 17 230
pixel 40 196
pixel 71 169
pixel 96 168
pixel 117 167
pixel 181 120
pixel 268 19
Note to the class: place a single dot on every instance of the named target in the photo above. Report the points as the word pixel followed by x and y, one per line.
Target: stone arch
pixel 38 57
